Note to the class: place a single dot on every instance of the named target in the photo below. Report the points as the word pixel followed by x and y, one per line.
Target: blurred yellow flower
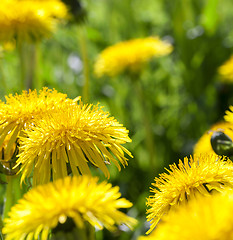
pixel 204 145
pixel 29 20
pixel 204 218
pixel 197 175
pixel 226 71
pixel 20 111
pixel 80 198
pixel 129 55
pixel 74 135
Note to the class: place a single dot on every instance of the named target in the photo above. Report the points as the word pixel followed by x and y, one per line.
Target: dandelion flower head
pixel 129 55
pixel 226 71
pixel 204 144
pixel 77 135
pixel 81 198
pixel 198 175
pixel 20 111
pixel 229 115
pixel 204 218
pixel 29 20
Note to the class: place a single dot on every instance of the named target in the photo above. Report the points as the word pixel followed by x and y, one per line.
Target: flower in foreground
pixel 29 20
pixel 80 198
pixel 204 218
pixel 130 55
pixel 226 71
pixel 74 136
pixel 19 112
pixel 204 143
pixel 198 175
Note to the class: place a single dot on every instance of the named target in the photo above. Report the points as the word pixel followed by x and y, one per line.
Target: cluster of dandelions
pixel 184 201
pixel 193 199
pixel 203 218
pixel 224 140
pixel 52 131
pixel 48 136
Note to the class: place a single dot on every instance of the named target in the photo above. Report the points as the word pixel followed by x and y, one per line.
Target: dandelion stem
pixel 32 80
pixel 76 233
pixel 145 118
pixel 8 198
pixel 28 61
pixel 2 76
pixel 13 193
pixel 22 65
pixel 83 46
pixel 91 232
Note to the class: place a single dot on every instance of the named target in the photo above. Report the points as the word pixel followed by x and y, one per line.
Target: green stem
pixel 75 234
pixel 62 232
pixel 3 79
pixel 32 80
pixel 99 235
pixel 146 120
pixel 91 232
pixel 8 198
pixel 28 61
pixel 22 65
pixel 83 47
pixel 13 193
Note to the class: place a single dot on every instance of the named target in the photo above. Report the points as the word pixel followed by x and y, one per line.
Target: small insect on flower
pixel 205 145
pixel 221 143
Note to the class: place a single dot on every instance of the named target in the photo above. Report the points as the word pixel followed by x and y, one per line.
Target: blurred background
pixel 183 92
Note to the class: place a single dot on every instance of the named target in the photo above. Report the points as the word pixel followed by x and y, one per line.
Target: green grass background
pixel 182 92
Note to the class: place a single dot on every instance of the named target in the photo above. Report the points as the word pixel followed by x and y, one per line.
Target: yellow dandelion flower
pixel 197 175
pixel 50 8
pixel 76 135
pixel 204 218
pixel 20 111
pixel 226 71
pixel 80 198
pixel 204 145
pixel 29 20
pixel 129 55
pixel 229 115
